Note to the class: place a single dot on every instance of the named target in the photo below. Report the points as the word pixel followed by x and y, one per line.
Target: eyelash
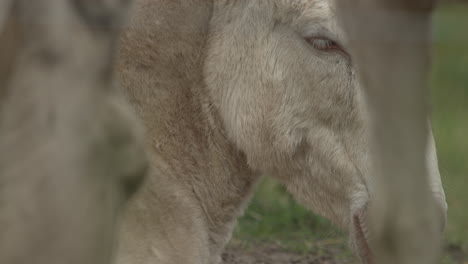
pixel 324 44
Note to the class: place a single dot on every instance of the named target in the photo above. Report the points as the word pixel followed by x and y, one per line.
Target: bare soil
pixel 275 254
pixel 272 254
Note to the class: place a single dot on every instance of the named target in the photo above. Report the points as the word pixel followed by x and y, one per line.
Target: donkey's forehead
pixel 303 14
pixel 317 15
pixel 310 8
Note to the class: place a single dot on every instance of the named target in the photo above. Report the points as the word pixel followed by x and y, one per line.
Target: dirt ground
pixel 276 255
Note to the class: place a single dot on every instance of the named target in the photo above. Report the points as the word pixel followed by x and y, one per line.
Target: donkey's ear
pixel 359 235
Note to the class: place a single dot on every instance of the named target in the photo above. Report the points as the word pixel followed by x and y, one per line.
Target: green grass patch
pixel 450 115
pixel 274 216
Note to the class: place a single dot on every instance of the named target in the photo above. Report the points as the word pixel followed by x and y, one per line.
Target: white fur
pixel 229 91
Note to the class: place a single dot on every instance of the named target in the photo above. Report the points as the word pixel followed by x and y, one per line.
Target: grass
pixel 274 216
pixel 450 117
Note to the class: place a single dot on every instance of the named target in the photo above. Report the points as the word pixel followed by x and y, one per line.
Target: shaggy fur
pixel 230 91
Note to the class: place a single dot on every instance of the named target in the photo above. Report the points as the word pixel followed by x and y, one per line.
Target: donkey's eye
pixel 324 44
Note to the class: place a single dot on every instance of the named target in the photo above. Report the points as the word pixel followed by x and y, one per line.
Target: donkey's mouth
pixel 360 242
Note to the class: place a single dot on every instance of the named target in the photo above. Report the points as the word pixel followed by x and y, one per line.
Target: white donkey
pixel 70 149
pixel 229 91
pixel 233 90
pixel 390 43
